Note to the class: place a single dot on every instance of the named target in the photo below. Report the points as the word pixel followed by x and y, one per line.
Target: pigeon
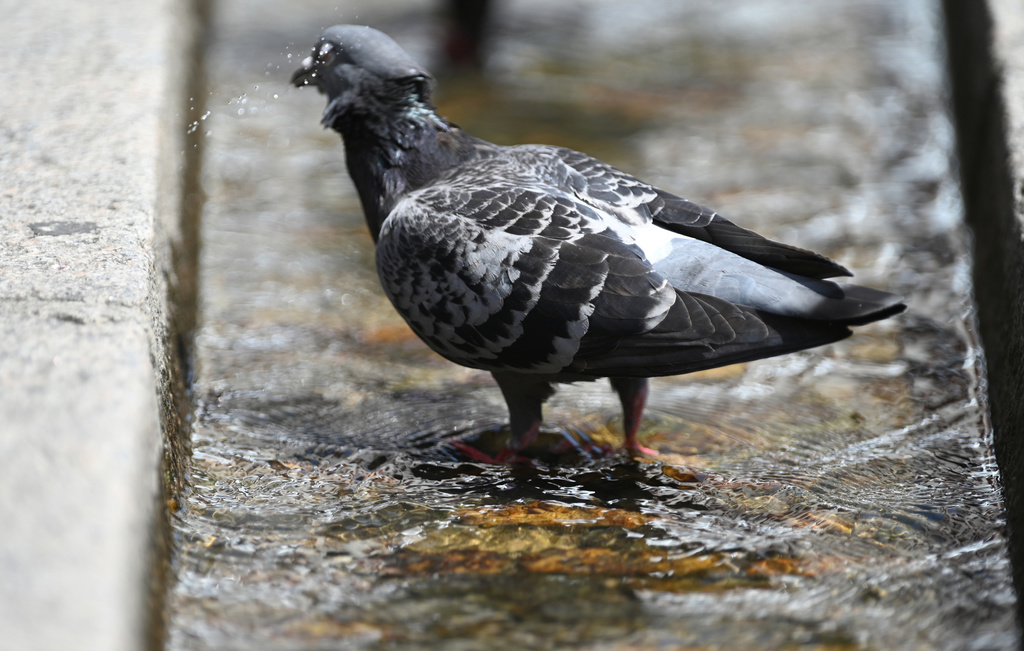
pixel 544 265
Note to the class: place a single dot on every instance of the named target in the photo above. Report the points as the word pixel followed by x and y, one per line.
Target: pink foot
pixel 504 456
pixel 634 448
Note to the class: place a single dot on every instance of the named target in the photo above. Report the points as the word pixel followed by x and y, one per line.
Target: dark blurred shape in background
pixel 466 32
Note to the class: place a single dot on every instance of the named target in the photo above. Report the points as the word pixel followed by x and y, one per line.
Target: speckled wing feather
pixel 499 268
pixel 484 276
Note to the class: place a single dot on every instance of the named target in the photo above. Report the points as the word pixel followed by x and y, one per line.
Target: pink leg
pixel 633 395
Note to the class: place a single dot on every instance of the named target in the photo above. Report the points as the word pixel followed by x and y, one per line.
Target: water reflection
pixel 844 497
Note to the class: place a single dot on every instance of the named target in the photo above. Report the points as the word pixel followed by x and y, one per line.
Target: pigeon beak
pixel 307 75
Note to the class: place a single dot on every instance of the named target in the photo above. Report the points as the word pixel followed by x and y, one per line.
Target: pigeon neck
pixel 395 154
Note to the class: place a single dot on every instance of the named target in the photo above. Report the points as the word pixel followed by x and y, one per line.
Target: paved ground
pixel 92 130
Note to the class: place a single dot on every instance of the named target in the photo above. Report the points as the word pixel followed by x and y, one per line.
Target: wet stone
pixel 840 498
pixel 62 228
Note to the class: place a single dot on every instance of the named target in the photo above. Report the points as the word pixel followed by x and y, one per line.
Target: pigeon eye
pixel 327 53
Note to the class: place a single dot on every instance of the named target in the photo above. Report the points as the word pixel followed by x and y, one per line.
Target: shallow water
pixel 839 498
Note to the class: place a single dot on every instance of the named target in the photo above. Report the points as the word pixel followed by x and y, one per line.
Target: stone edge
pixel 97 306
pixel 985 41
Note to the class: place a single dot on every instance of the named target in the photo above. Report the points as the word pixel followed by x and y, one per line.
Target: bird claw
pixel 503 457
pixel 574 442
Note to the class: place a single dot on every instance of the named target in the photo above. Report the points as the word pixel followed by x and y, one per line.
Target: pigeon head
pixel 363 72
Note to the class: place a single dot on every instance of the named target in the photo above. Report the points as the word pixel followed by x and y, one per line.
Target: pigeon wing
pixel 642 326
pixel 486 274
pixel 605 186
pixel 700 332
pixel 524 279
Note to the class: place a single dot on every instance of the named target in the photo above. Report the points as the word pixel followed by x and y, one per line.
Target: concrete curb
pixel 96 252
pixel 986 48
